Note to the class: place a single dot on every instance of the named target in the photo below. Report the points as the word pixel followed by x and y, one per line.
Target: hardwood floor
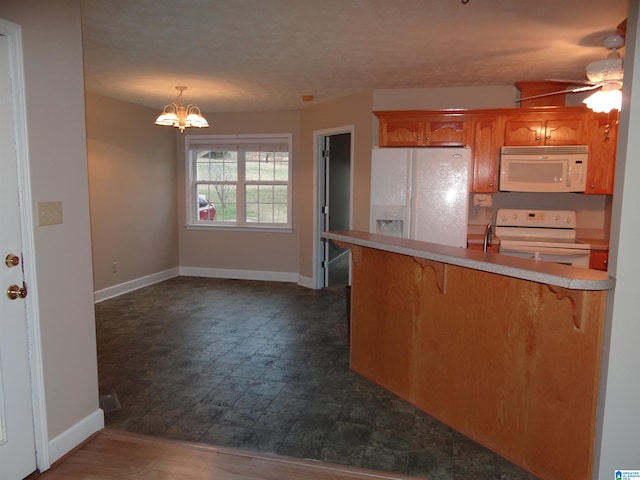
pixel 120 455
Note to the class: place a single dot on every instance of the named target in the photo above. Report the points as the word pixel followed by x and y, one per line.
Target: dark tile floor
pixel 263 366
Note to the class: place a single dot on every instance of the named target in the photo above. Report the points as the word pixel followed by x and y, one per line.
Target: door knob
pixel 14 291
pixel 12 260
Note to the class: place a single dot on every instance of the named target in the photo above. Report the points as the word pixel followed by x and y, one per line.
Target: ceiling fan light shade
pixel 605 100
pixel 604 70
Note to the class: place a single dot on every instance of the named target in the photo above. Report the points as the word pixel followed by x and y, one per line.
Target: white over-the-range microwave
pixel 544 169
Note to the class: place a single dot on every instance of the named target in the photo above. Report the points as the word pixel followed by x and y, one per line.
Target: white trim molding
pixel 239 274
pixel 318 270
pixel 130 286
pixel 268 276
pixel 306 282
pixel 75 435
pixel 14 34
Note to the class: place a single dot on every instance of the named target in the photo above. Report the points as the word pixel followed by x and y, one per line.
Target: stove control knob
pixel 514 216
pixel 503 218
pixel 567 220
pixel 556 217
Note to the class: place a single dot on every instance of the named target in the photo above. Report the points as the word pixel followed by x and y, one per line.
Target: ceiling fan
pixel 606 74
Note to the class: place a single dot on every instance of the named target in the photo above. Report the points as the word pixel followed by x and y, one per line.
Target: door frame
pixel 319 137
pixel 13 32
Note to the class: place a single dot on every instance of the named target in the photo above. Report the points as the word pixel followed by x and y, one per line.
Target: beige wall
pixel 243 250
pixel 354 110
pixel 493 96
pixel 500 96
pixel 52 49
pixel 132 190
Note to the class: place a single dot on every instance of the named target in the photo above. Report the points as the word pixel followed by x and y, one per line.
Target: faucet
pixel 487 237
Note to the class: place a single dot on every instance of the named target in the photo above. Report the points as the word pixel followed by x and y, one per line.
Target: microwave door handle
pixel 568 180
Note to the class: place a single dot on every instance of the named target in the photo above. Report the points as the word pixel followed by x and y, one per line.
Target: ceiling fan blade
pixel 571 90
pixel 569 81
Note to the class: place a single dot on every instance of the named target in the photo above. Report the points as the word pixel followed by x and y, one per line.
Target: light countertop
pixel 565 276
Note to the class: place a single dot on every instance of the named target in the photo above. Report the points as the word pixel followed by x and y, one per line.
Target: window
pixel 240 181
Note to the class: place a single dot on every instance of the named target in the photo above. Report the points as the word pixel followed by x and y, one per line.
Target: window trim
pixel 192 142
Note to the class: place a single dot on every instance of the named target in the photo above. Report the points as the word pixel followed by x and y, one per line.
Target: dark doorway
pixel 337 205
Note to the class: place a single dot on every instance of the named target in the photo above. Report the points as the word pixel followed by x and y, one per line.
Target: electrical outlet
pixel 114 267
pixel 49 213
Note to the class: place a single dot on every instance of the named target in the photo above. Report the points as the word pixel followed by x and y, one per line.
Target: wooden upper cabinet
pixel 486 156
pixel 523 132
pixel 545 129
pixel 603 140
pixel 447 132
pixel 411 129
pixel 401 132
pixel 487 130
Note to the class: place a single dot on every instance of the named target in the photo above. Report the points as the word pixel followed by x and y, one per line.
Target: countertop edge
pixel 564 276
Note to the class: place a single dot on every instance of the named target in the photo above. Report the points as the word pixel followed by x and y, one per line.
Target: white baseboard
pixel 116 290
pixel 239 274
pixel 126 287
pixel 306 282
pixel 75 435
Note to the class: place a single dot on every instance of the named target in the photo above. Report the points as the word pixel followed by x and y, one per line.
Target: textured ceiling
pixel 253 55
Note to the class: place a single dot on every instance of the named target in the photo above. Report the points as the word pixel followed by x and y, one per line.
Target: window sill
pixel 230 228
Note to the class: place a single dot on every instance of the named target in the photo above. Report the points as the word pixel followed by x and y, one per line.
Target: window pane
pixel 251 202
pixel 223 198
pixel 229 203
pixel 252 166
pixel 281 166
pixel 280 203
pixel 216 166
pixel 265 194
pixel 280 213
pixel 206 210
pixel 280 194
pixel 266 213
pixel 267 166
pixel 266 203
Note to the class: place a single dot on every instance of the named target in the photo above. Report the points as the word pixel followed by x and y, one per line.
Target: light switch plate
pixel 49 213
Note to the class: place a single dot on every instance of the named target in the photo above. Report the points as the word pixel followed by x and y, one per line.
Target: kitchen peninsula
pixel 503 349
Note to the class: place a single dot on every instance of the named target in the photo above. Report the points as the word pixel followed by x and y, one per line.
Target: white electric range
pixel 544 235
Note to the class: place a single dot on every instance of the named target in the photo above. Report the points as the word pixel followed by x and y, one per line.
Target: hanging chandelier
pixel 177 115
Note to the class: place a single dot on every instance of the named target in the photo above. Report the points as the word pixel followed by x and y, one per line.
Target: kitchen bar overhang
pixel 505 350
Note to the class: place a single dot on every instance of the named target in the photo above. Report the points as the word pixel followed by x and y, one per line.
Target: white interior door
pixel 17 443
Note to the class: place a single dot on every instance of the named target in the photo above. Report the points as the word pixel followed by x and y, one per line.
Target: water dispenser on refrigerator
pixel 388 220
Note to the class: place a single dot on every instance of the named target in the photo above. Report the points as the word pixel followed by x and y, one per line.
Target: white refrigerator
pixel 421 193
